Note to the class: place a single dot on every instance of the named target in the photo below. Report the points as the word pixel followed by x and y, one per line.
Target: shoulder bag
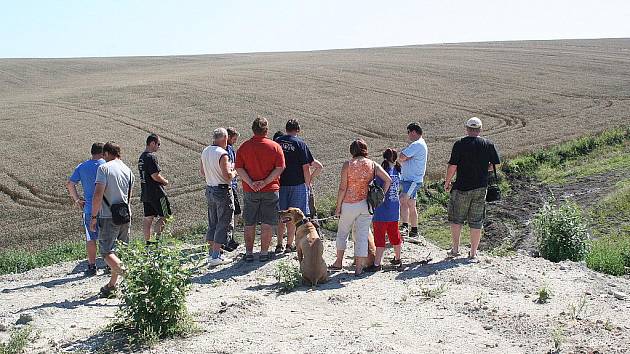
pixel 120 211
pixel 494 193
pixel 376 195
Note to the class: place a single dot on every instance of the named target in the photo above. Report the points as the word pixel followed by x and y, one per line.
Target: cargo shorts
pixel 109 233
pixel 467 206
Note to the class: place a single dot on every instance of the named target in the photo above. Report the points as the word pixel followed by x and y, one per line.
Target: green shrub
pixel 17 341
pixel 609 255
pixel 154 289
pixel 288 275
pixel 561 232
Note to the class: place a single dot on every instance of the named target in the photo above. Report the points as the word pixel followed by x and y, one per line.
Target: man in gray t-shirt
pixel 113 185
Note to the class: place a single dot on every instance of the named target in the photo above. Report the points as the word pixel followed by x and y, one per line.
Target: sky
pixel 90 28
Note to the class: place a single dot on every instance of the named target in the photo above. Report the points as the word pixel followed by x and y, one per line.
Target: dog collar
pixel 302 222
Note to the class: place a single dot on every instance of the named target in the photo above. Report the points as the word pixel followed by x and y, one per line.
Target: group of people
pixel 276 174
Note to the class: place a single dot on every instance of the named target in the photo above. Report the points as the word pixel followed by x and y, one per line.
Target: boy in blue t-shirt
pixel 85 173
pixel 386 215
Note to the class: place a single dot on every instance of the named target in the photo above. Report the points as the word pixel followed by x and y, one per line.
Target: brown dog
pixel 310 249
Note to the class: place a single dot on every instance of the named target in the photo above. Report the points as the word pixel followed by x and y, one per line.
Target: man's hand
pixel 93 225
pixel 165 182
pixel 80 203
pixel 447 186
pixel 258 185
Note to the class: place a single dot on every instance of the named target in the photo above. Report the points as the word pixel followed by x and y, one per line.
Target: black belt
pixel 221 186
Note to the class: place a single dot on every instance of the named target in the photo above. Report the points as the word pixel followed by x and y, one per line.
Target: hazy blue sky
pixel 71 28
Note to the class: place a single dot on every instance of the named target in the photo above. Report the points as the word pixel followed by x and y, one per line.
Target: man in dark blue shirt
pixel 295 181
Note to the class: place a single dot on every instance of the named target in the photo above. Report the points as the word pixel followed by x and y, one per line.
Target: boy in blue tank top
pixel 386 215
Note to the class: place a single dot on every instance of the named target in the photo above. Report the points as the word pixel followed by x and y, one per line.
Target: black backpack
pixel 376 194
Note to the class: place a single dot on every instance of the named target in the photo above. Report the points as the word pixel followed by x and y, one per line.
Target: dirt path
pixel 486 307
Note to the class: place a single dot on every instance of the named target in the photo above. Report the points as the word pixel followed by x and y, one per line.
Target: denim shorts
pixel 410 188
pixel 260 207
pixel 467 206
pixel 294 196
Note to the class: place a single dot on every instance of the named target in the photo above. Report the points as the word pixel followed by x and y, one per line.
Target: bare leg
pixel 397 249
pixel 147 222
pixel 250 234
pixel 281 230
pixel 159 226
pixel 339 261
pixel 378 258
pixel 404 211
pixel 266 233
pixel 290 234
pixel 412 212
pixel 475 237
pixel 114 263
pixel 456 231
pixel 358 261
pixel 91 251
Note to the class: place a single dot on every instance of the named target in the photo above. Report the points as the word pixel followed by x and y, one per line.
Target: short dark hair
pixel 232 132
pixel 152 138
pixel 277 134
pixel 415 127
pixel 112 148
pixel 358 148
pixel 292 125
pixel 260 126
pixel 97 148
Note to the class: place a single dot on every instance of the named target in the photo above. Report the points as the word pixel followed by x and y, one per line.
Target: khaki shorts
pixel 467 206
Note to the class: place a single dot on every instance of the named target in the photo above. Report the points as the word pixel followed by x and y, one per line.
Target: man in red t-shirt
pixel 259 163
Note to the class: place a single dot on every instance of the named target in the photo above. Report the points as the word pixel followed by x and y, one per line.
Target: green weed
pixel 561 232
pixel 544 294
pixel 288 276
pixel 154 290
pixel 610 255
pixel 18 261
pixel 17 342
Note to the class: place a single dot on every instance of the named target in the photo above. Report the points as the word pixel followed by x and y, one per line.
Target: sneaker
pixel 107 292
pixel 91 270
pixel 107 270
pixel 213 262
pixel 249 258
pixel 396 262
pixel 279 249
pixel 230 246
pixel 414 237
pixel 265 257
pixel 404 229
pixel 290 249
pixel 373 268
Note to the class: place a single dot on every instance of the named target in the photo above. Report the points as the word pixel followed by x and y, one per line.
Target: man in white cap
pixel 471 158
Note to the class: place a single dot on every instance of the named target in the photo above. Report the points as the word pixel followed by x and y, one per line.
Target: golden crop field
pixel 528 94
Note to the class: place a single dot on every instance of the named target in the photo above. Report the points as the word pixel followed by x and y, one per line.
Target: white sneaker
pixel 213 262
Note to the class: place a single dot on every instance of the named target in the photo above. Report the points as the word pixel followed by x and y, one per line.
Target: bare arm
pixel 306 169
pixel 387 180
pixel 402 157
pixel 159 179
pixel 275 173
pixel 343 187
pixel 245 177
pixel 72 189
pixel 202 172
pixel 226 168
pixel 316 169
pixel 450 172
pixel 97 201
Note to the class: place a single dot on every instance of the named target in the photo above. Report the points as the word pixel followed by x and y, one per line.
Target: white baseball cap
pixel 474 123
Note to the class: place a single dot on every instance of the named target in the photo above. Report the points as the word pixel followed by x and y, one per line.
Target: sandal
pixel 249 258
pixel 279 249
pixel 334 268
pixel 290 249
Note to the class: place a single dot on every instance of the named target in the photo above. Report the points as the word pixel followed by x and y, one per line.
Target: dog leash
pixel 323 219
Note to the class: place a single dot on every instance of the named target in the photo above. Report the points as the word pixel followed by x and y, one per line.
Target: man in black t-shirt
pixel 153 196
pixel 471 158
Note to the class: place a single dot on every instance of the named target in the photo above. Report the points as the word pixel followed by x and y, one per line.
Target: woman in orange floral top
pixel 352 207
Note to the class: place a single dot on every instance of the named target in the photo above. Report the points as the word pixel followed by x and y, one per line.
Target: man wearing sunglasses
pixel 153 196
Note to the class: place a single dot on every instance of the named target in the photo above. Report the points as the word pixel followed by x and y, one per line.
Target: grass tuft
pixel 17 342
